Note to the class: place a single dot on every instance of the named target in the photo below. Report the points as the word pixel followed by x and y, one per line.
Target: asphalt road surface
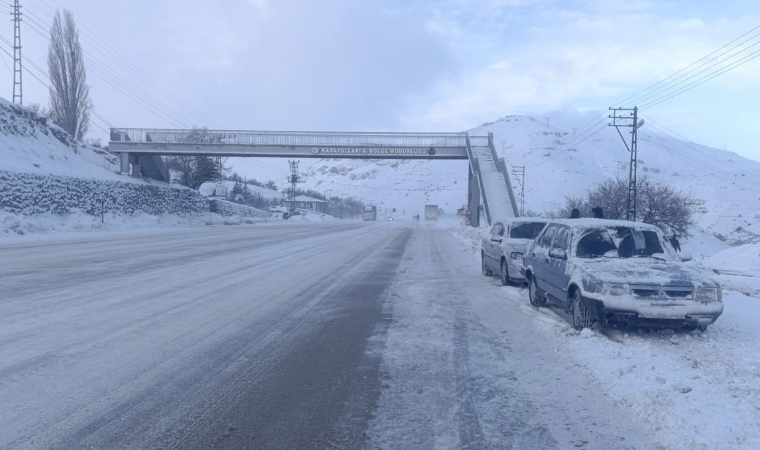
pixel 296 336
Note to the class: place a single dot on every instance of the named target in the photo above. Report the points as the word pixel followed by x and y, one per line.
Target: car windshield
pixel 527 230
pixel 620 242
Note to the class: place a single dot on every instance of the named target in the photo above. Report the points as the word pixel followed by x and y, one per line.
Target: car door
pixel 540 256
pixel 493 247
pixel 557 267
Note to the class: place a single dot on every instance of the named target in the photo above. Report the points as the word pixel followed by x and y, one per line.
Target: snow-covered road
pixel 284 336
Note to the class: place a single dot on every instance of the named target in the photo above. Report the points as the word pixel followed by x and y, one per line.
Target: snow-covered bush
pixel 229 209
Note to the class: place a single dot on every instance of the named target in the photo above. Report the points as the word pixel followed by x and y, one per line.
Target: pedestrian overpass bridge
pixel 141 151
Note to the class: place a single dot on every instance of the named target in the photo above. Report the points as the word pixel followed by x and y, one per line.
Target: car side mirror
pixel 686 256
pixel 557 253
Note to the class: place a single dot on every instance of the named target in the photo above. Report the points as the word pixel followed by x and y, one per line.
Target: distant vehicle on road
pixel 369 213
pixel 502 251
pixel 431 212
pixel 612 271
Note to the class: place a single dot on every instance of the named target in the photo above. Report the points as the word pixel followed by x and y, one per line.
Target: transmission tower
pixel 630 120
pixel 293 180
pixel 17 85
pixel 519 173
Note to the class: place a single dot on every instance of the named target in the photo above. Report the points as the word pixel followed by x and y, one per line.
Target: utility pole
pixel 630 120
pixel 327 202
pixel 17 85
pixel 519 173
pixel 293 180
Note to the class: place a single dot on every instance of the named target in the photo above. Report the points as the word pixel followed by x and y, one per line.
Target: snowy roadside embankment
pixel 43 205
pixel 738 269
pixel 31 194
pixel 76 224
pixel 229 209
pixel 692 390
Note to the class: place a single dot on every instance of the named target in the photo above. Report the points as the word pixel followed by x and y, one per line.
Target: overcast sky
pixel 427 65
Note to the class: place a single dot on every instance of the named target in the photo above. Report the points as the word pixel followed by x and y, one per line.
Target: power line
pixel 704 80
pixel 685 155
pixel 122 86
pixel 636 95
pixel 117 58
pixel 663 91
pixel 7 66
pixel 2 38
pixel 583 132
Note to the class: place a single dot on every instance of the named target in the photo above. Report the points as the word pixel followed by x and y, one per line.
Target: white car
pixel 611 271
pixel 502 251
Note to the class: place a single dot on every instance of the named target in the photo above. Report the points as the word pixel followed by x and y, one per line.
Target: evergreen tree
pixel 236 190
pixel 207 170
pixel 246 193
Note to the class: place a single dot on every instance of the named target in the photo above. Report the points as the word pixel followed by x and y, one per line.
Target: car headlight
pixel 708 294
pixel 516 255
pixel 617 289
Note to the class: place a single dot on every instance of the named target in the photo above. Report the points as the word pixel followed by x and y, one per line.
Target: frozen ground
pixel 334 335
pixel 689 390
pixel 343 335
pixel 19 228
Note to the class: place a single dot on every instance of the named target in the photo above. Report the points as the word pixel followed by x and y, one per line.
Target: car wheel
pixel 702 328
pixel 504 273
pixel 581 316
pixel 535 297
pixel 483 266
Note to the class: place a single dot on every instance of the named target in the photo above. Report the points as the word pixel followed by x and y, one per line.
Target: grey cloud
pixel 334 65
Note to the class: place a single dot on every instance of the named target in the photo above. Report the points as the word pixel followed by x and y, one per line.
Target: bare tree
pixel 658 204
pixel 70 103
pixel 36 108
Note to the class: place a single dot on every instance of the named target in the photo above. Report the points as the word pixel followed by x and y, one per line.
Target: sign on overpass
pixel 291 144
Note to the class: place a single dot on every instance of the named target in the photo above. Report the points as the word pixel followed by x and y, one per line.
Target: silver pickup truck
pixel 618 271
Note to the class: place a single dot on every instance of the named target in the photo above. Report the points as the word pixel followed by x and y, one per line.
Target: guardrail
pixel 283 138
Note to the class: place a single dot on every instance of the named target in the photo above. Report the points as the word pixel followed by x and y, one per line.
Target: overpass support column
pixel 473 198
pixel 136 173
pixel 124 170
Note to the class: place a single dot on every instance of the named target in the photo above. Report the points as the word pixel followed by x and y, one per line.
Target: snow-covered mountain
pixel 560 162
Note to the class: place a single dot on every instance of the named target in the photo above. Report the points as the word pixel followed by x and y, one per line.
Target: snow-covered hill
pixel 29 143
pixel 728 184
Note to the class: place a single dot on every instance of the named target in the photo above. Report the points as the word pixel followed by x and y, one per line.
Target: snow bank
pixel 230 209
pixel 46 227
pixel 744 259
pixel 32 144
pixel 692 390
pixel 311 216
